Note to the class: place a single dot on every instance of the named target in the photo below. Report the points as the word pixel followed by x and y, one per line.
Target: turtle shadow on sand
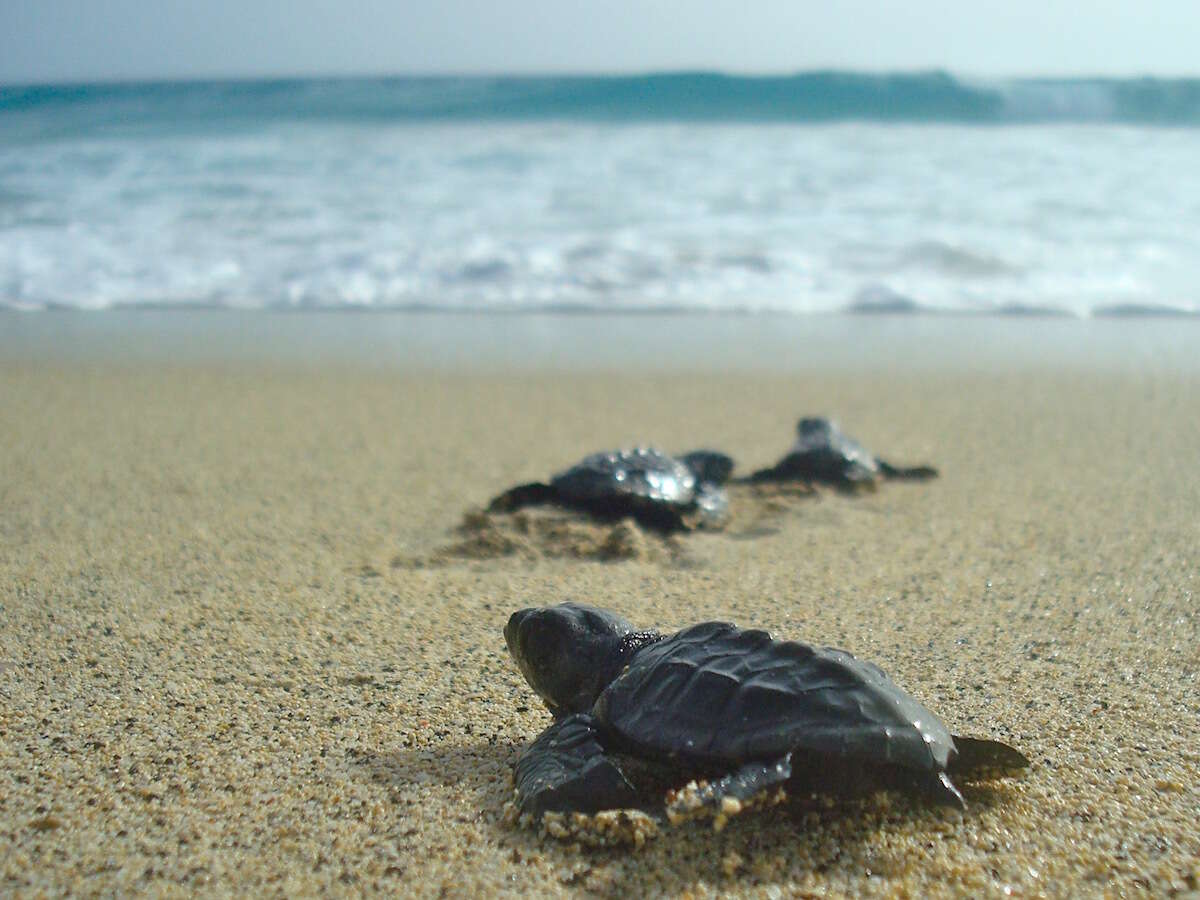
pixel 481 768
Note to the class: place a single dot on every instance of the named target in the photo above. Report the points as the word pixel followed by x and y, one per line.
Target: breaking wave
pixel 59 110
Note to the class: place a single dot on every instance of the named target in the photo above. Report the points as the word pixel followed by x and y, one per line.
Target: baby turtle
pixel 715 699
pixel 822 453
pixel 658 490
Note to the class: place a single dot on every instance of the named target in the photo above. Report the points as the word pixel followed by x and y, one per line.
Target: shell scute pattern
pixel 823 437
pixel 643 472
pixel 714 699
pixel 718 693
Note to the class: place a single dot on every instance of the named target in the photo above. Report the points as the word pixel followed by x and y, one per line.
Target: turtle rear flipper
pixel 942 791
pixel 738 791
pixel 913 473
pixel 566 768
pixel 712 508
pixel 533 494
pixel 980 755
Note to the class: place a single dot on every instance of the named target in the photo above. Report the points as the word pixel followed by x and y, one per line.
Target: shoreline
pixel 662 343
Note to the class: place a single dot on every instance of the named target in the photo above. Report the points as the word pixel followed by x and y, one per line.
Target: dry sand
pixel 218 673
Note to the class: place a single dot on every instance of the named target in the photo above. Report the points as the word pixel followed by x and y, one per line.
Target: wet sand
pixel 220 671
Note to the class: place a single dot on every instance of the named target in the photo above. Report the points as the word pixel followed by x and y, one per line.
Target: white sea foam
pixel 585 215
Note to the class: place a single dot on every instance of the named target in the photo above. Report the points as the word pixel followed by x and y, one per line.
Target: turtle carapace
pixel 823 453
pixel 737 705
pixel 658 490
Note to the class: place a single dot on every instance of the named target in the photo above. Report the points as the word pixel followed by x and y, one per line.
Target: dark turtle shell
pixel 651 485
pixel 719 702
pixel 659 490
pixel 642 472
pixel 824 453
pixel 717 694
pixel 829 451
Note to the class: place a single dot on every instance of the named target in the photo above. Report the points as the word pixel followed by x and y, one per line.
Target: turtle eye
pixel 540 646
pixel 538 658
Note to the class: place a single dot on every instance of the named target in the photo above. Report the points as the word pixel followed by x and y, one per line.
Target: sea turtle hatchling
pixel 714 700
pixel 660 491
pixel 823 453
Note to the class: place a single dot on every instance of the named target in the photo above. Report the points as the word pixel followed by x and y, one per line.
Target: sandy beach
pixel 221 672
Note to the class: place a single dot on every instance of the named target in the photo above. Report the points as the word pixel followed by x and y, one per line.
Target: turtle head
pixel 568 653
pixel 814 427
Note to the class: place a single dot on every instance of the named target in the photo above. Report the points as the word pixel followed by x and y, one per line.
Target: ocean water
pixel 819 193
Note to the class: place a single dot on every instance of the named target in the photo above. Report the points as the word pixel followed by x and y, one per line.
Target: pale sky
pixel 70 40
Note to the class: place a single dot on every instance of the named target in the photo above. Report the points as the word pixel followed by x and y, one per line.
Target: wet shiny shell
pixel 643 473
pixel 715 693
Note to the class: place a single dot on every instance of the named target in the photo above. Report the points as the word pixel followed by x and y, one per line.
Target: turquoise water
pixel 692 96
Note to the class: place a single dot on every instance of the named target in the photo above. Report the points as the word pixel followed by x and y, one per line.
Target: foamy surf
pixel 402 195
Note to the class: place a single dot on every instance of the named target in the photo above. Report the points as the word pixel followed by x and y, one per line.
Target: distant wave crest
pixel 684 96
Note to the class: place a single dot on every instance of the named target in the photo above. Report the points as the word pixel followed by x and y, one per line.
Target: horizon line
pixel 544 74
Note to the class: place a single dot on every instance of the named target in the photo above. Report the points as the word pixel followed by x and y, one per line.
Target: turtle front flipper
pixel 745 788
pixel 566 769
pixel 790 468
pixel 534 494
pixel 913 473
pixel 980 756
